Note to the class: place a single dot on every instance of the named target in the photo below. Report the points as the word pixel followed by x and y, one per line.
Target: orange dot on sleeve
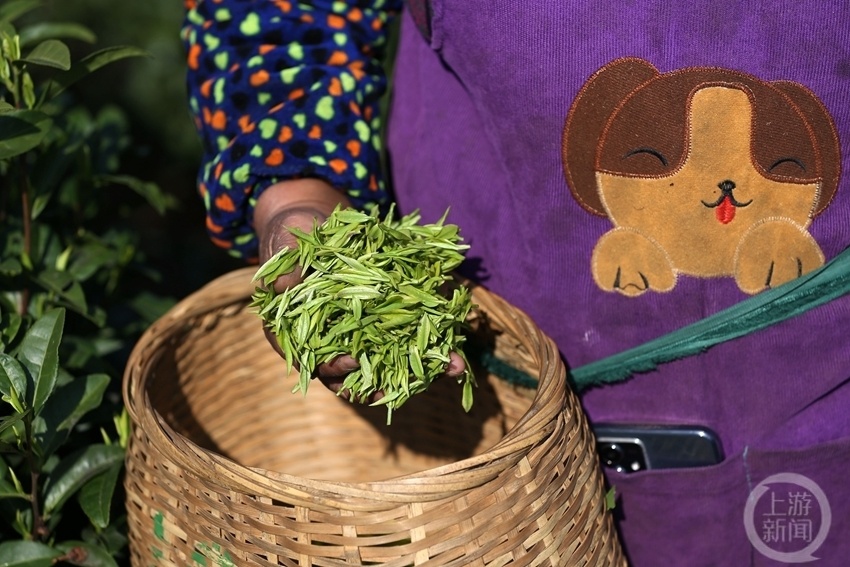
pixel 285 134
pixel 336 22
pixel 353 147
pixel 335 87
pixel 261 77
pixel 212 227
pixel 338 58
pixel 224 203
pixel 246 125
pixel 338 165
pixel 315 132
pixel 275 157
pixel 355 14
pixel 221 243
pixel 218 120
pixel 194 55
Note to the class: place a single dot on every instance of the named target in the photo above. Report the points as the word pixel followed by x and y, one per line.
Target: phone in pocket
pixel 629 448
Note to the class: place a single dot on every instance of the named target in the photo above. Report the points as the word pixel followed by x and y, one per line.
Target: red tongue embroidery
pixel 725 211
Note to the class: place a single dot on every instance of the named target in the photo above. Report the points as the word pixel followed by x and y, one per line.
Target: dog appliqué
pixel 703 171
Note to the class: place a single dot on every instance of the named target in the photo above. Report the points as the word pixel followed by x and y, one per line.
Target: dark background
pixel 166 150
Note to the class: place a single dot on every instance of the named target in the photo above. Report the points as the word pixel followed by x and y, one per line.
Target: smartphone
pixel 629 448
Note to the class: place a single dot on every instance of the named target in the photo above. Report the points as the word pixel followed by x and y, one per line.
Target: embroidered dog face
pixel 704 172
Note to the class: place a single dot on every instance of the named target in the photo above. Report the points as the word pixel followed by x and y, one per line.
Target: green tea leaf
pixel 12 375
pixel 95 496
pixel 466 401
pixel 86 555
pixel 21 131
pixel 7 422
pixel 161 201
pixel 39 354
pixel 92 63
pixel 76 470
pixel 50 53
pixel 27 554
pixel 55 30
pixel 373 290
pixel 13 9
pixel 611 498
pixel 68 404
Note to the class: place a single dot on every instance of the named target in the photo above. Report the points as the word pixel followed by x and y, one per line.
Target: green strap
pixel 830 281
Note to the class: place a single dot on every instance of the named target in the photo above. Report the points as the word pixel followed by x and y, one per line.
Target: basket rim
pixel 543 418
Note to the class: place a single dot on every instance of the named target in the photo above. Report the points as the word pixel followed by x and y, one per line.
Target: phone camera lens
pixel 612 454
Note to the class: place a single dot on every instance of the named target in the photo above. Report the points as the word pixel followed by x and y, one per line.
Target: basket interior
pixel 219 383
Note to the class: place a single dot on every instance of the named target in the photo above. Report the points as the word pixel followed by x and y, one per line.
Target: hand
pixel 298 204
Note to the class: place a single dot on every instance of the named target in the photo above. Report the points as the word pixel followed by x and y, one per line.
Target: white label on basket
pixel 787 518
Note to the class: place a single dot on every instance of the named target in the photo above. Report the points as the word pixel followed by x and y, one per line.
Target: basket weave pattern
pixel 227 467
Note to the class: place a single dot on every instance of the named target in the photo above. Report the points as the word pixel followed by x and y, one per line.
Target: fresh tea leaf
pixel 21 131
pixel 27 554
pixel 39 353
pixel 373 289
pixel 50 53
pixel 76 470
pixel 95 496
pixel 55 30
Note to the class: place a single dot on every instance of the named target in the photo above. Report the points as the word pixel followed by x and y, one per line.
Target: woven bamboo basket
pixel 227 467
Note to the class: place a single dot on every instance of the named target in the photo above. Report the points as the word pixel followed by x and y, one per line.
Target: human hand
pixel 297 203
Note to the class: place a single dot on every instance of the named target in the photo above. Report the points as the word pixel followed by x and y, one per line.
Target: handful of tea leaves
pixel 377 290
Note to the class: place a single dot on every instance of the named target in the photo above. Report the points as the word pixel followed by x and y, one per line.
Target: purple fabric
pixel 476 126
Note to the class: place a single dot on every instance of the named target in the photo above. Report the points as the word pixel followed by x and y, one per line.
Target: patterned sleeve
pixel 281 89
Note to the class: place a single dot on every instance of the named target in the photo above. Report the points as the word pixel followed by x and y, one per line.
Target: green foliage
pixel 72 295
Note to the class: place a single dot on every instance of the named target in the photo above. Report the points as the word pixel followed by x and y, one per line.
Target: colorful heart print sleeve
pixel 280 90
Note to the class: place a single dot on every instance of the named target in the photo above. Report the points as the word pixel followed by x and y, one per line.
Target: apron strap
pixel 830 281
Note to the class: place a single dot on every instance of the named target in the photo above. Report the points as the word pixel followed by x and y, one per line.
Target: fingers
pixel 456 365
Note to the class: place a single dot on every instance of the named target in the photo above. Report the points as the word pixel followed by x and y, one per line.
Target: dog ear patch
pixel 825 134
pixel 587 118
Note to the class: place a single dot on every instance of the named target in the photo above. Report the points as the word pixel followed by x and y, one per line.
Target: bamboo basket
pixel 227 467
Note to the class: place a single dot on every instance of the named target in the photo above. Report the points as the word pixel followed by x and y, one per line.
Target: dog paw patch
pixel 687 165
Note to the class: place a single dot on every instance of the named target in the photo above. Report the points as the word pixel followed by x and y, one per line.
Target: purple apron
pixel 587 228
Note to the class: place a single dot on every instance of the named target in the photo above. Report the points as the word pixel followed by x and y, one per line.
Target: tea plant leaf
pixel 55 30
pixel 21 131
pixel 86 554
pixel 7 422
pixel 13 9
pixel 50 53
pixel 161 201
pixel 76 470
pixel 39 354
pixel 66 287
pixel 95 496
pixel 68 404
pixel 12 375
pixel 27 554
pixel 91 63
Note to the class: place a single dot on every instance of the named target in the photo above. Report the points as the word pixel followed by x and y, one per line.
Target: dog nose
pixel 726 186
